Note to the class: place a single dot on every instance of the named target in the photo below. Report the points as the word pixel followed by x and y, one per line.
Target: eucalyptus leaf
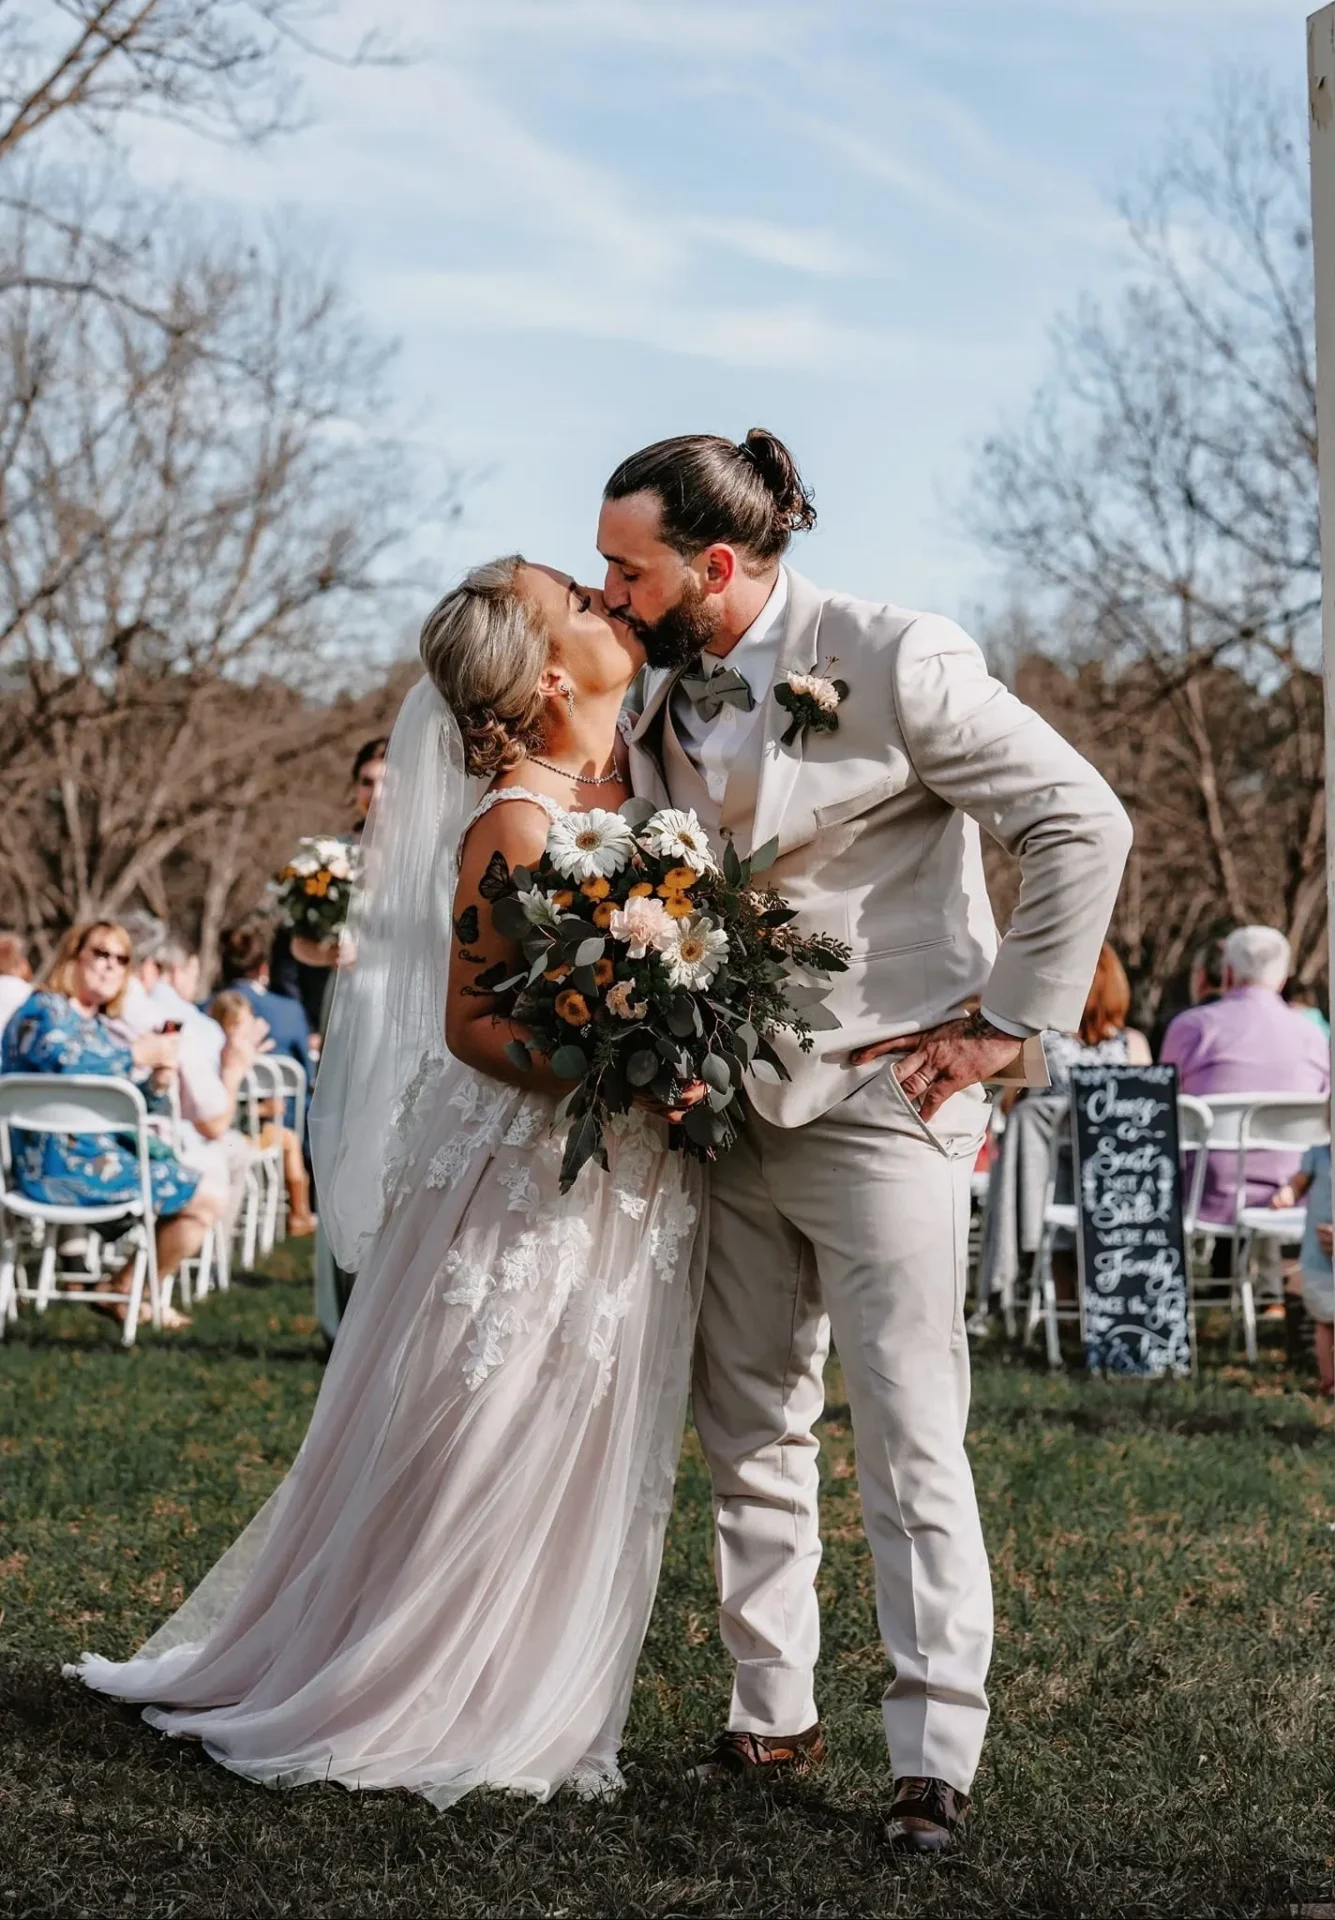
pixel 509 919
pixel 764 857
pixel 732 866
pixel 637 810
pixel 821 1020
pixel 700 1125
pixel 714 1070
pixel 518 1055
pixel 570 1063
pixel 584 1141
pixel 762 1070
pixel 641 1068
pixel 800 996
pixel 588 951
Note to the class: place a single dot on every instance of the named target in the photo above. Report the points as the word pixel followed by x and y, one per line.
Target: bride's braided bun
pixel 484 646
pixel 746 494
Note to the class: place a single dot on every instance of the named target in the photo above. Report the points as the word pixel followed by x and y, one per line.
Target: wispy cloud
pixel 781 338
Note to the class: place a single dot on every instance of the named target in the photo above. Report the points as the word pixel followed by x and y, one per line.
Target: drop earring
pixel 569 693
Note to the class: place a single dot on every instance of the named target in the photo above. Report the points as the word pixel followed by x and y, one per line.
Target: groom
pixel 873 743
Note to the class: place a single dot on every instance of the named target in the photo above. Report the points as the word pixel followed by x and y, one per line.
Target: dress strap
pixel 497 794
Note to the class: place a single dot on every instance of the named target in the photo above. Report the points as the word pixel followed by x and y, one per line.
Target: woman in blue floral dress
pixel 66 1028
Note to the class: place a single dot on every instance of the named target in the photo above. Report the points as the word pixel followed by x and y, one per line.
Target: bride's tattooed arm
pixel 507 836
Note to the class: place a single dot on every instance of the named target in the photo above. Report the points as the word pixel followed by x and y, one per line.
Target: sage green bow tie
pixel 710 692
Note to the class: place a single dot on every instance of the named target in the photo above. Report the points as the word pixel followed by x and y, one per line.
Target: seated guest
pixel 67 1028
pixel 15 976
pixel 1206 981
pixel 211 1065
pixel 176 991
pixel 232 1011
pixel 1248 1041
pixel 245 970
pixel 1308 1002
pixel 1103 1037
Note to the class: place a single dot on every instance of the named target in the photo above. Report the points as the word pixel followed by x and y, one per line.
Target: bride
pixel 451 1587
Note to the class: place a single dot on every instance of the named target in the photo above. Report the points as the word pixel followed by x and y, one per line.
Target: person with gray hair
pixel 1256 957
pixel 1248 1041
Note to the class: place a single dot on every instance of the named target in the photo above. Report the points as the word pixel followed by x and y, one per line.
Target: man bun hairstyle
pixel 747 494
pixel 484 647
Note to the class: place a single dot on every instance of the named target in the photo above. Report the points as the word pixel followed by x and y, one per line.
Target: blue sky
pixel 590 223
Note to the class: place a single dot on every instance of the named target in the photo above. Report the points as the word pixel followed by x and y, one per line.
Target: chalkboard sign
pixel 1135 1306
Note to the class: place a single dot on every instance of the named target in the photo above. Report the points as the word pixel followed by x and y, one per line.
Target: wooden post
pixel 1321 120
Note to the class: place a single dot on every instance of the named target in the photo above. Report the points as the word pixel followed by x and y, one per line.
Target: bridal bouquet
pixel 648 966
pixel 314 889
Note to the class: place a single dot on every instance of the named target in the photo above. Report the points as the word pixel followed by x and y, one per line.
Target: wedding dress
pixel 451 1587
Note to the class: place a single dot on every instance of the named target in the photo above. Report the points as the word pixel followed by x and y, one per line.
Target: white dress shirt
pixel 713 745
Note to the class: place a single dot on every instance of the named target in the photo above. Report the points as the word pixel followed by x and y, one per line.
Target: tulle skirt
pixel 451 1587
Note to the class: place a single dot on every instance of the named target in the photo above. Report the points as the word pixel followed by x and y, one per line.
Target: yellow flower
pixel 602 914
pixel 642 892
pixel 603 973
pixel 573 1008
pixel 680 878
pixel 557 973
pixel 677 906
pixel 595 887
pixel 563 900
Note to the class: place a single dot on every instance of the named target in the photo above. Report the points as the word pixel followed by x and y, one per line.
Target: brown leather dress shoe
pixel 924 1815
pixel 762 1754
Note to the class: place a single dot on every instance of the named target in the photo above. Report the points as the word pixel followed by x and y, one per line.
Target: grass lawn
pixel 1163 1739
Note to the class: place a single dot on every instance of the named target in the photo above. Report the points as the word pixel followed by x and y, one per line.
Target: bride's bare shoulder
pixel 517 830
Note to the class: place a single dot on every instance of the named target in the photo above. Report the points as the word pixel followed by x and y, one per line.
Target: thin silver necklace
pixel 581 779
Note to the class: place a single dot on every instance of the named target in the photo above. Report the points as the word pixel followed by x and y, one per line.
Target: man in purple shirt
pixel 1248 1041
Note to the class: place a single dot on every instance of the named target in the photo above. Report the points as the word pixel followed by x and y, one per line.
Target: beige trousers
pixel 856 1223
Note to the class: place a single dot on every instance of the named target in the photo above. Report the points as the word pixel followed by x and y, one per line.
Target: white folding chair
pixel 1193 1130
pixel 257 1222
pixel 73 1103
pixel 1280 1123
pixel 292 1077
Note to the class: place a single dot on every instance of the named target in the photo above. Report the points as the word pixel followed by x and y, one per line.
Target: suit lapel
pixel 779 765
pixel 646 740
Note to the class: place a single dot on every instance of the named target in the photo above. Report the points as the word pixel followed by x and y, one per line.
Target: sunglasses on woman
pixel 108 953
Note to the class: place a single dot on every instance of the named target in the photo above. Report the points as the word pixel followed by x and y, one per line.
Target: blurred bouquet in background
pixel 314 889
pixel 651 970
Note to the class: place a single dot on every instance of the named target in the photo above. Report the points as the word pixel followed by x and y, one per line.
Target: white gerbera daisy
pixel 674 834
pixel 586 846
pixel 695 952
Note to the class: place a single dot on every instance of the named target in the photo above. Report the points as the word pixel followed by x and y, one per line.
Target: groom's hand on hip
pixel 932 1066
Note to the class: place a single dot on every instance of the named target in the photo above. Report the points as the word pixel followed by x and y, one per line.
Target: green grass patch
pixel 1163 1739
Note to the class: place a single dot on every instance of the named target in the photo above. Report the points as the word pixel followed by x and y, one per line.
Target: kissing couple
pixel 451 1587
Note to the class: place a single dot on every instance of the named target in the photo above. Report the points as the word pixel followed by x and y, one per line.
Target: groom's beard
pixel 683 633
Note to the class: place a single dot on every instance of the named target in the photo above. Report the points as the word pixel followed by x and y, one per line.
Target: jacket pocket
pixel 840 810
pixel 895 953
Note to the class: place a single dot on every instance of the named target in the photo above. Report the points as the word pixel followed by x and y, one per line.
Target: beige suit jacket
pixel 878 830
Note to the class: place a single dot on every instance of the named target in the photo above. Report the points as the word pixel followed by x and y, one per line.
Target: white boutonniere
pixel 812 700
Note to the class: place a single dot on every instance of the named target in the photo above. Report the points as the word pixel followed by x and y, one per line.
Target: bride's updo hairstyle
pixel 485 646
pixel 746 494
